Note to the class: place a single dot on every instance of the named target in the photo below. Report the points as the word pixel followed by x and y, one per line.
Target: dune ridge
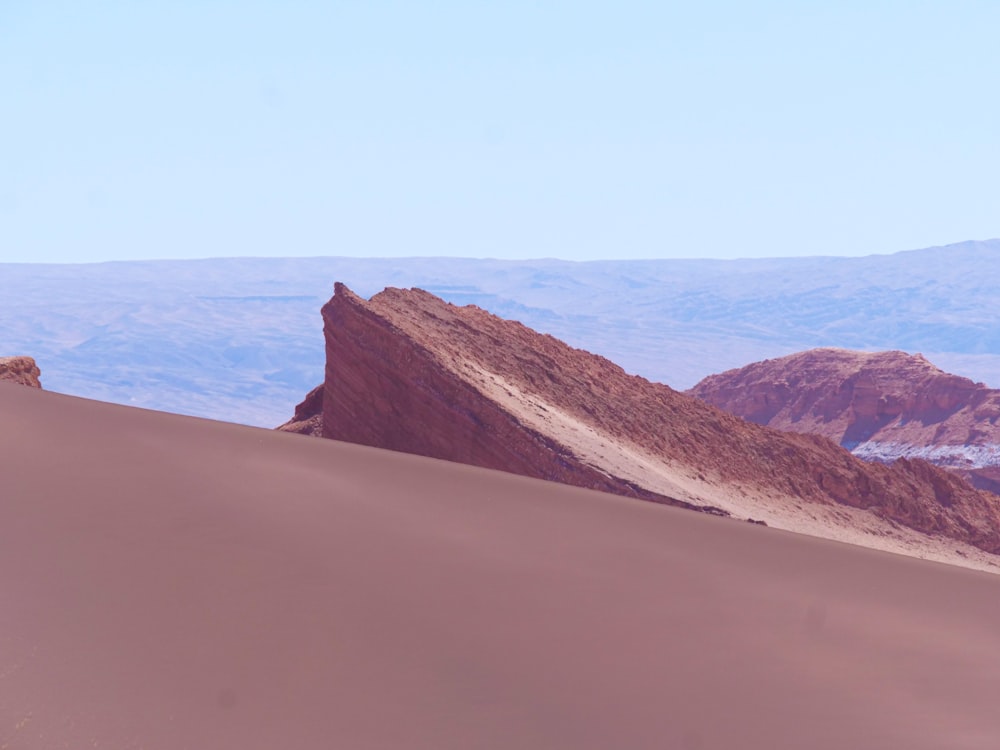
pixel 176 582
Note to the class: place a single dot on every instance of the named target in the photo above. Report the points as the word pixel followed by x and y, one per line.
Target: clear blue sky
pixel 521 128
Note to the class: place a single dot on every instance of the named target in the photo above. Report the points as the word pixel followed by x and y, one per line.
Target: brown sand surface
pixel 169 582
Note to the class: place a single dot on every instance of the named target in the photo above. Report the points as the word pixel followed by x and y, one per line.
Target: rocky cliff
pixel 21 370
pixel 408 372
pixel 881 406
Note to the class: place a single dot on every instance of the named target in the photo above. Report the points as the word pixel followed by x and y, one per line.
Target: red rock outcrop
pixel 21 370
pixel 881 406
pixel 308 417
pixel 408 372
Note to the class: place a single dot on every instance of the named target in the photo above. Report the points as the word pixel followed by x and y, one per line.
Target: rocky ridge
pixel 881 406
pixel 22 370
pixel 409 372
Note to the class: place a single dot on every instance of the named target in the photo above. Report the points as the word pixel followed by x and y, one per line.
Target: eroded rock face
pixel 395 379
pixel 881 406
pixel 308 418
pixel 408 372
pixel 21 370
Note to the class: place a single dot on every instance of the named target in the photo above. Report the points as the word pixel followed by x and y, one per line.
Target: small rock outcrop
pixel 409 372
pixel 881 406
pixel 21 370
pixel 308 417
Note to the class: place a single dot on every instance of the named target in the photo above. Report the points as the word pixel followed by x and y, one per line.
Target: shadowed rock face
pixel 308 418
pixel 882 406
pixel 408 372
pixel 21 370
pixel 396 379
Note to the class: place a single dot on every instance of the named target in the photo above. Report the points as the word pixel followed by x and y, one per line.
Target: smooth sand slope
pixel 167 582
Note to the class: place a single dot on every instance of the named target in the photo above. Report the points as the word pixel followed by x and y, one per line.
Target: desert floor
pixel 169 582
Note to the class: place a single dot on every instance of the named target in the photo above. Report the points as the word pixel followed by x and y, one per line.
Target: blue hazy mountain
pixel 240 339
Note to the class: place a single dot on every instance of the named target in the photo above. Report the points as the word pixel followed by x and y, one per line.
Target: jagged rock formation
pixel 21 370
pixel 308 418
pixel 881 406
pixel 408 372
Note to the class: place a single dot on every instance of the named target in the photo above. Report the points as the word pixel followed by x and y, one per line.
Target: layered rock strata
pixel 308 417
pixel 22 370
pixel 881 406
pixel 408 372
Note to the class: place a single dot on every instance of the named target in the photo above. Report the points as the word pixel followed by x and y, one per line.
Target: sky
pixel 513 129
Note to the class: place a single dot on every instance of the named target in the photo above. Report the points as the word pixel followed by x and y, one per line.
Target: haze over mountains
pixel 235 339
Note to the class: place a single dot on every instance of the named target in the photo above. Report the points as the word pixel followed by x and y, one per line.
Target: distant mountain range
pixel 236 339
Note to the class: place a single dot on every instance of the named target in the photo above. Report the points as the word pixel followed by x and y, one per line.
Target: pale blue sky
pixel 512 129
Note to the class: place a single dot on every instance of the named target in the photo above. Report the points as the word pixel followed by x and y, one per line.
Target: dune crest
pixel 172 582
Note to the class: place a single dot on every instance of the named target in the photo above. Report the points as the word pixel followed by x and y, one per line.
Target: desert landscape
pixel 499 376
pixel 502 541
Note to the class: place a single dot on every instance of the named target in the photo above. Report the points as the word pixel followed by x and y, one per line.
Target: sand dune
pixel 168 582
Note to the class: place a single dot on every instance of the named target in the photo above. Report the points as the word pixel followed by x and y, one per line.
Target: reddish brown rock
pixel 308 418
pixel 21 370
pixel 882 406
pixel 393 381
pixel 409 372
